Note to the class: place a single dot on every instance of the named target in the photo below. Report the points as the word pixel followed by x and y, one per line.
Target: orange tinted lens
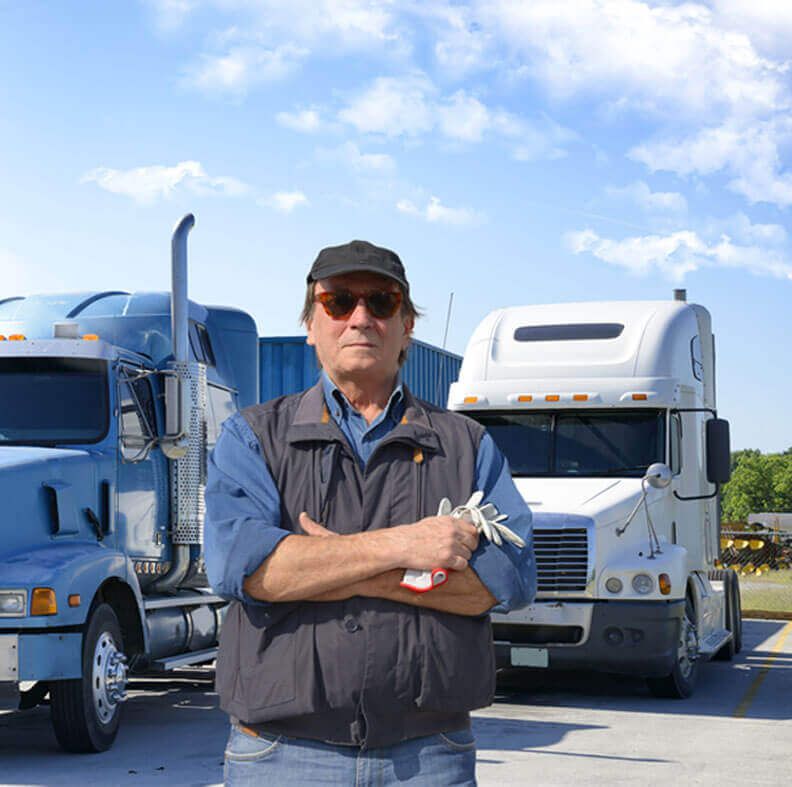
pixel 381 304
pixel 337 304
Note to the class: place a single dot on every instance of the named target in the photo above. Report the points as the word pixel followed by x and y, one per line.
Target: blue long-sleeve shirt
pixel 243 505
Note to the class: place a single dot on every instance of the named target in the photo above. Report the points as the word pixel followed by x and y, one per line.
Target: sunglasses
pixel 339 304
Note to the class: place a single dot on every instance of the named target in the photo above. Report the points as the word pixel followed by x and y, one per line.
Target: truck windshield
pixel 565 443
pixel 50 401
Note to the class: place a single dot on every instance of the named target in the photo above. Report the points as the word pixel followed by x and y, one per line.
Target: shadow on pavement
pixel 494 733
pixel 753 683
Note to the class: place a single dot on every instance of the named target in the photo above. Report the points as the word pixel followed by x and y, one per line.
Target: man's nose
pixel 360 314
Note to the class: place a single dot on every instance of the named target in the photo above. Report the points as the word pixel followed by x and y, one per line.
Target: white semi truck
pixel 606 414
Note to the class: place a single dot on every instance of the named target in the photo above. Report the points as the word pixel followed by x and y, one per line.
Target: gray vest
pixel 364 671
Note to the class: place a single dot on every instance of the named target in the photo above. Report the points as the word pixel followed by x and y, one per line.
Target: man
pixel 317 502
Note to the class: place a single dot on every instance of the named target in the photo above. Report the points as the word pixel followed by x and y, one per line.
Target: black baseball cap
pixel 358 255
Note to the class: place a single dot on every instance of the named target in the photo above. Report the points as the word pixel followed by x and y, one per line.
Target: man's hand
pixel 435 542
pixel 311 528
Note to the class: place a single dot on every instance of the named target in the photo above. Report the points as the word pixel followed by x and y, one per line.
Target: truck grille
pixel 561 558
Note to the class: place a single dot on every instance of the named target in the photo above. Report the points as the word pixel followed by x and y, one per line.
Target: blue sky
pixel 511 152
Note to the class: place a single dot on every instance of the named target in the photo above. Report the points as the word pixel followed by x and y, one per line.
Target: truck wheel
pixel 679 684
pixel 731 591
pixel 86 711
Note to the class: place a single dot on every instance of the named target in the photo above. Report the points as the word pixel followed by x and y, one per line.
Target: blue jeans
pixel 433 761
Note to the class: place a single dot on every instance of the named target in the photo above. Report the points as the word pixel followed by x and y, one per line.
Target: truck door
pixel 143 490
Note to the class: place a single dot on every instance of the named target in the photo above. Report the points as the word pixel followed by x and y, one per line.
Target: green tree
pixel 759 482
pixel 737 455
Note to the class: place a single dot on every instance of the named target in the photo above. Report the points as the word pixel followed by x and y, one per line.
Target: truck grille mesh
pixel 188 475
pixel 561 558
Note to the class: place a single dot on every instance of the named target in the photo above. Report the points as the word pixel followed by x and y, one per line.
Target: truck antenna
pixel 448 318
pixel 445 339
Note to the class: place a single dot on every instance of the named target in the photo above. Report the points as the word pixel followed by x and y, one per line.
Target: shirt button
pixel 350 624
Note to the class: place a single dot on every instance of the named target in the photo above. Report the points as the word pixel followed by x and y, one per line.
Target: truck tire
pixel 681 681
pixel 731 591
pixel 86 711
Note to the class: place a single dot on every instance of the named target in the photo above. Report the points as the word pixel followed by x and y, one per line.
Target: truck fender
pixel 77 572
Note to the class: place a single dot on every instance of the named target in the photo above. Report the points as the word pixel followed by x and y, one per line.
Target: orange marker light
pixel 580 398
pixel 74 600
pixel 665 584
pixel 552 398
pixel 639 397
pixel 525 398
pixel 470 399
pixel 90 337
pixel 16 337
pixel 42 602
pixel 2 338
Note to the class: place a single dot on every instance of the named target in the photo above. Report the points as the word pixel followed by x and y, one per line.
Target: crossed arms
pixel 325 566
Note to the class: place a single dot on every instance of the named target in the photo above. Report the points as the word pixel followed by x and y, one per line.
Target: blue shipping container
pixel 288 365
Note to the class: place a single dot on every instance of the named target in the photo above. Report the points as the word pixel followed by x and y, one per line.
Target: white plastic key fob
pixel 423 581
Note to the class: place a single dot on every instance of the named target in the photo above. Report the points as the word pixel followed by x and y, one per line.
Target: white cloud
pixel 242 67
pixel 411 107
pixel 768 23
pixel 352 23
pixel 658 56
pixel 349 155
pixel 355 22
pixel 650 201
pixel 464 117
pixel 461 44
pixel 306 121
pixel 436 213
pixel 270 39
pixel 680 253
pixel 545 139
pixel 750 153
pixel 148 184
pixel 393 106
pixel 740 227
pixel 285 201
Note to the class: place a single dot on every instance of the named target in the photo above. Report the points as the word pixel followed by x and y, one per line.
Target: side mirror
pixel 174 442
pixel 718 451
pixel 658 475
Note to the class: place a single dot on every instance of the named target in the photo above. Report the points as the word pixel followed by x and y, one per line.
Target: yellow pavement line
pixel 742 708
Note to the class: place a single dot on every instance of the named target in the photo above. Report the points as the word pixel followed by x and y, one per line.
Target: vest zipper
pixel 418 459
pixel 329 453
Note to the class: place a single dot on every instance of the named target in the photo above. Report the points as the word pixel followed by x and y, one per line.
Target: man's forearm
pixel 463 594
pixel 305 567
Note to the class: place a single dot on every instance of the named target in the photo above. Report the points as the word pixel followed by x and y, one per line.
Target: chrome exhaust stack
pixel 184 441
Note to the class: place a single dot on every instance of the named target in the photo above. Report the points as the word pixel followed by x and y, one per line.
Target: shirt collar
pixel 338 404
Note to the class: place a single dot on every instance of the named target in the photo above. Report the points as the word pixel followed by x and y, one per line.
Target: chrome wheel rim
pixel 108 677
pixel 688 647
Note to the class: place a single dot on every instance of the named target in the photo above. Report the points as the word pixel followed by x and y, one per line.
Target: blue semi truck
pixel 109 405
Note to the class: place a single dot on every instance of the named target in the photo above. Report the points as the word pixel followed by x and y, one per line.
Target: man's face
pixel 359 345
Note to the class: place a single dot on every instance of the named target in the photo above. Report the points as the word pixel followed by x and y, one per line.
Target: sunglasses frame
pixel 327 297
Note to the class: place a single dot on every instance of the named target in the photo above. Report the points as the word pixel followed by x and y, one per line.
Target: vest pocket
pixel 267 662
pixel 458 671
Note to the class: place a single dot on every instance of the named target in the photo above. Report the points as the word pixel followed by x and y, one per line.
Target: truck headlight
pixel 12 603
pixel 643 584
pixel 614 585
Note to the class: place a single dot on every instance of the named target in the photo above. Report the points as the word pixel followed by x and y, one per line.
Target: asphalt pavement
pixel 545 728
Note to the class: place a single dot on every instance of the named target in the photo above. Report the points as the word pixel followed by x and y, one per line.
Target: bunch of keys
pixel 487 521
